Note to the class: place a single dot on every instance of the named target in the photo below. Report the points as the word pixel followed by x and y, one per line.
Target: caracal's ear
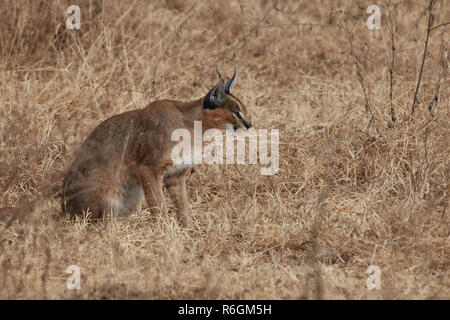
pixel 216 96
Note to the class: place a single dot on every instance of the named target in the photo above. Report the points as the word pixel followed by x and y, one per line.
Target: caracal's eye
pixel 237 115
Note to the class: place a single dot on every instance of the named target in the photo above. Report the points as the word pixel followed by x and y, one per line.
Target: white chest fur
pixel 186 161
pixel 177 168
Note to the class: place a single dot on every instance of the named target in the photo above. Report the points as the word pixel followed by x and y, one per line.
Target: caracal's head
pixel 224 110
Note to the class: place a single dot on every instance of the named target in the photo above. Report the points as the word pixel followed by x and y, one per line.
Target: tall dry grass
pixel 355 188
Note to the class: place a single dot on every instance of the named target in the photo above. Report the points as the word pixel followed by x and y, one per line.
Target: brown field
pixel 354 189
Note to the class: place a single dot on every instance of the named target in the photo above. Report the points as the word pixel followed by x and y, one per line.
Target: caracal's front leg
pixel 176 185
pixel 153 189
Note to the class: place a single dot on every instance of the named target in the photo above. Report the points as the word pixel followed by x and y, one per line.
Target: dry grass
pixel 353 189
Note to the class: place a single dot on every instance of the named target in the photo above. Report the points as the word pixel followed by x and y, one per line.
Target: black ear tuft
pixel 229 84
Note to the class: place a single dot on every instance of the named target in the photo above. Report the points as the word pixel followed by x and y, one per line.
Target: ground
pixel 354 188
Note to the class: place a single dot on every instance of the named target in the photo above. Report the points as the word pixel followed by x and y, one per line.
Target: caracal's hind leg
pixel 98 193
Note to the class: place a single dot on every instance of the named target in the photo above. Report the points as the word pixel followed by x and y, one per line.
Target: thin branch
pixel 242 40
pixel 412 29
pixel 393 30
pixel 442 75
pixel 300 24
pixel 359 73
pixel 430 23
pixel 441 25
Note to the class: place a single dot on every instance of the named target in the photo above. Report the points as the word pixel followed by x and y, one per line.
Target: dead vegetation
pixel 363 179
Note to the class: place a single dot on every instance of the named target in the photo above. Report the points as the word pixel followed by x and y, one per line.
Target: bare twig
pixel 349 35
pixel 242 40
pixel 438 26
pixel 442 74
pixel 412 29
pixel 300 24
pixel 430 23
pixel 393 29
